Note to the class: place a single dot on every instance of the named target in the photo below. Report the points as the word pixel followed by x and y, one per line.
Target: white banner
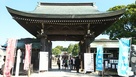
pixel 43 65
pixel 88 62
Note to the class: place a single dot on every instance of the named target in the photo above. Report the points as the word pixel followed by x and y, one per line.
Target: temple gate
pixel 80 22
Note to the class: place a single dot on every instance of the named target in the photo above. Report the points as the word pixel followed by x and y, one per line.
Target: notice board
pixel 43 63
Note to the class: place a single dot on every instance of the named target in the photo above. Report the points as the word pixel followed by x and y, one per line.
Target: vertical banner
pixel 123 63
pixel 88 62
pixel 9 61
pixel 99 58
pixel 18 62
pixel 43 65
pixel 28 49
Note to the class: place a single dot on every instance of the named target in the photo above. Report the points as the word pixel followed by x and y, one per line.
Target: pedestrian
pixel 65 63
pixel 77 64
pixel 74 67
pixel 58 63
pixel 71 63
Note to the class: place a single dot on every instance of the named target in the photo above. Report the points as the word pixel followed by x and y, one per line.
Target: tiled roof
pixel 62 8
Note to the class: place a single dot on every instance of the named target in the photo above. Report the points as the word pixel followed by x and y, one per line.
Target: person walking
pixel 77 64
pixel 65 63
pixel 71 63
pixel 58 63
pixel 74 67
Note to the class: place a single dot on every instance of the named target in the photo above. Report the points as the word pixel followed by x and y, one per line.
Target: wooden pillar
pixel 82 51
pixel 85 46
pixel 47 47
pixel 44 45
pixel 87 43
pixel 50 53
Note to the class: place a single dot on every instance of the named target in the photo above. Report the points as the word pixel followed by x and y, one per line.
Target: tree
pixel 75 50
pixel 59 47
pixel 70 48
pixel 65 49
pixel 56 51
pixel 126 25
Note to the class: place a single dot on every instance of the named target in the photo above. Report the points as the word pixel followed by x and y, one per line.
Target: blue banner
pixel 123 62
pixel 99 58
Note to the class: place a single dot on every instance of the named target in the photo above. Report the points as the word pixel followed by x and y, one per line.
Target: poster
pixel 43 65
pixel 88 62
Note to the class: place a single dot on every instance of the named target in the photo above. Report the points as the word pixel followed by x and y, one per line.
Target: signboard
pixel 43 65
pixel 99 58
pixel 88 62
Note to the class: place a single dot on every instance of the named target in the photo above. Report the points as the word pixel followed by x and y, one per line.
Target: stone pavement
pixel 63 73
pixel 54 72
pixel 60 73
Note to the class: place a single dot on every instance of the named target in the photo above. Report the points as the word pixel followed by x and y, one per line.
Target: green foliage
pixel 75 50
pixel 59 47
pixel 126 25
pixel 65 49
pixel 70 48
pixel 56 51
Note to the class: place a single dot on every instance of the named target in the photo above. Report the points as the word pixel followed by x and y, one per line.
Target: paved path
pixel 54 72
pixel 60 73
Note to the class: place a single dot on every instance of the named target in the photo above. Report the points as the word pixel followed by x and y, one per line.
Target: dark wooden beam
pixel 65 32
pixel 65 38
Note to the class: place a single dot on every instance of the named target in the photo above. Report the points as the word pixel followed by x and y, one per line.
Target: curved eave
pixel 35 15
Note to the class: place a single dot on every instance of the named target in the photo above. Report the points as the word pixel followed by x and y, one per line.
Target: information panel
pixel 43 65
pixel 88 62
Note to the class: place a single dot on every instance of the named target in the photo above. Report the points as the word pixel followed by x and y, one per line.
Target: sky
pixel 9 28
